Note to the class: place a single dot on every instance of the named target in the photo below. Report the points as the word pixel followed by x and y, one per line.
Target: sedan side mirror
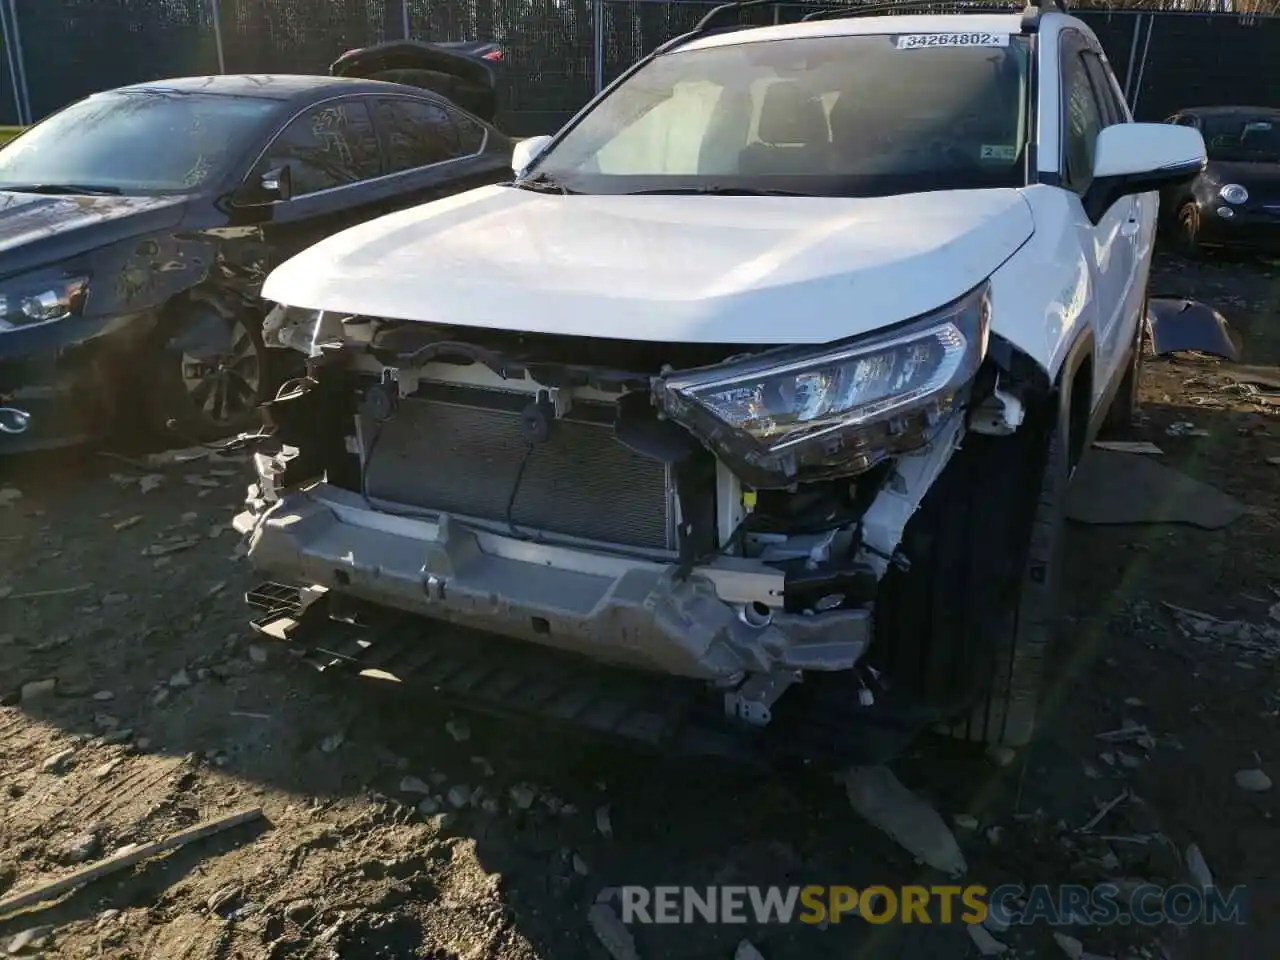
pixel 1134 158
pixel 527 151
pixel 277 183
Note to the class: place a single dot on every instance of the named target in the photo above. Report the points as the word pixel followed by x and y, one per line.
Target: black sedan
pixel 1235 202
pixel 137 225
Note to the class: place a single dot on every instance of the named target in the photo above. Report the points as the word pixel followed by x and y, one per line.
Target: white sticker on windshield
pixel 914 41
pixel 999 151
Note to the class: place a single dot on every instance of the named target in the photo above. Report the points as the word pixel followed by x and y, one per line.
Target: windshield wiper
pixel 718 191
pixel 542 183
pixel 62 188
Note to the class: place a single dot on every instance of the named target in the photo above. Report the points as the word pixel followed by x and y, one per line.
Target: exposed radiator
pixel 463 459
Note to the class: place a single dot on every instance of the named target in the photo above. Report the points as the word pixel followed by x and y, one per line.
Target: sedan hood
pixel 1263 178
pixel 36 230
pixel 688 269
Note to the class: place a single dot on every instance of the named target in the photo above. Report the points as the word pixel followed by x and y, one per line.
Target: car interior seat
pixel 793 135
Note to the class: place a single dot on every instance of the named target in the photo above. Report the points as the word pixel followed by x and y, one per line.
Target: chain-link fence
pixel 556 53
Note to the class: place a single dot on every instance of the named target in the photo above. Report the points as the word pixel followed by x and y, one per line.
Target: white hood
pixel 690 269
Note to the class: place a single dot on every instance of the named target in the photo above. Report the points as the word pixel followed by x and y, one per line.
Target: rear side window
pixel 417 133
pixel 1083 121
pixel 332 145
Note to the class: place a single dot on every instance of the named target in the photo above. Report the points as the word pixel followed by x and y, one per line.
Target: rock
pixel 80 849
pixel 160 697
pixel 258 654
pixel 747 951
pixel 102 696
pixel 59 762
pixel 38 690
pixel 987 945
pixel 429 806
pixel 189 517
pixel 180 680
pixel 459 730
pixel 459 796
pixel 331 743
pixel 1253 780
pixel 611 932
pixel 490 806
pixel 103 771
pixel 1000 755
pixel 220 899
pixel 995 835
pixel 881 799
pixel 105 721
pixel 32 939
pixel 579 866
pixel 114 599
pixel 484 766
pixel 1128 761
pixel 1198 868
pixel 414 785
pixel 966 821
pixel 522 796
pixel 300 911
pixel 9 496
pixel 1072 947
pixel 603 822
pixel 106 917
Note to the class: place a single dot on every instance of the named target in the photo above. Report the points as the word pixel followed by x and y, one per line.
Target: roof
pixel 272 86
pixel 1010 23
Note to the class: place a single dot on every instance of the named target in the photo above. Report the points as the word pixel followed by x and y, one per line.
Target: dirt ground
pixel 124 587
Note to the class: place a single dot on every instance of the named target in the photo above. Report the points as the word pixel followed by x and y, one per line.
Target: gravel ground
pixel 392 829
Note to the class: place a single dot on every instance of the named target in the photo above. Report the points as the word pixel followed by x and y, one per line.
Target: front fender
pixel 1042 297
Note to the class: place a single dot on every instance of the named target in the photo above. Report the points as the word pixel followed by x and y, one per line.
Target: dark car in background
pixel 1235 202
pixel 137 225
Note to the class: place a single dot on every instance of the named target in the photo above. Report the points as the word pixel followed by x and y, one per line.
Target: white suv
pixel 767 371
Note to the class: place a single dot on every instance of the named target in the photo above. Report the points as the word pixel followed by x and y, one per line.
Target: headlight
pixel 25 302
pixel 790 414
pixel 1233 193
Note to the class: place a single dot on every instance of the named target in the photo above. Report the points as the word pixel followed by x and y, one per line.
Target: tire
pixel 210 375
pixel 1187 231
pixel 967 629
pixel 1125 404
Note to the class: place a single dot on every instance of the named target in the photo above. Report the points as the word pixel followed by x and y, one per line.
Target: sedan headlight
pixel 1233 193
pixel 25 302
pixel 790 414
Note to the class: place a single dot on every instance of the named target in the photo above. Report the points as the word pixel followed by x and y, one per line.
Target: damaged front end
pixel 717 513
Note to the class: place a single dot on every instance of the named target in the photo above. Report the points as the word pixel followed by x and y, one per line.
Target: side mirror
pixel 1134 158
pixel 526 151
pixel 277 183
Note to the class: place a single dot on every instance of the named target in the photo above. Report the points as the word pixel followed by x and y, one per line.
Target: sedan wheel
pixel 224 387
pixel 211 375
pixel 1189 230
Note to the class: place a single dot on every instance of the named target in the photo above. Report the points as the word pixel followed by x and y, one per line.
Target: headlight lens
pixel 25 302
pixel 1233 193
pixel 789 415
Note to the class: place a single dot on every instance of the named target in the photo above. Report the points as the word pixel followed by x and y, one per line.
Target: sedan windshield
pixel 1243 138
pixel 134 141
pixel 826 116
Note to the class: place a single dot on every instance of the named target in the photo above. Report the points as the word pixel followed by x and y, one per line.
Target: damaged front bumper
pixel 718 623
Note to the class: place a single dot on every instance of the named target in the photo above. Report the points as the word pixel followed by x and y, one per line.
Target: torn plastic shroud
pixel 1178 324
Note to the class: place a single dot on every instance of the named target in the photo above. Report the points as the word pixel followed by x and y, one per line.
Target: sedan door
pixel 334 163
pixel 434 150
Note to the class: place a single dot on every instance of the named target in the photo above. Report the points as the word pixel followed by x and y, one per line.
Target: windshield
pixel 142 141
pixel 1243 138
pixel 828 116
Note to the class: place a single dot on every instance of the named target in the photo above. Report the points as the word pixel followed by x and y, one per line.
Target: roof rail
pixel 1030 11
pixel 729 15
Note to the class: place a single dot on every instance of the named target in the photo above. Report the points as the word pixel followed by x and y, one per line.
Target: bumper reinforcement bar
pixel 492 675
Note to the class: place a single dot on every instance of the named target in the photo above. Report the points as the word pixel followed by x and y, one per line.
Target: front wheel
pixel 210 371
pixel 967 629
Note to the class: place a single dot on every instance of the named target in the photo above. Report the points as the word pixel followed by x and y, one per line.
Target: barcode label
pixel 914 41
